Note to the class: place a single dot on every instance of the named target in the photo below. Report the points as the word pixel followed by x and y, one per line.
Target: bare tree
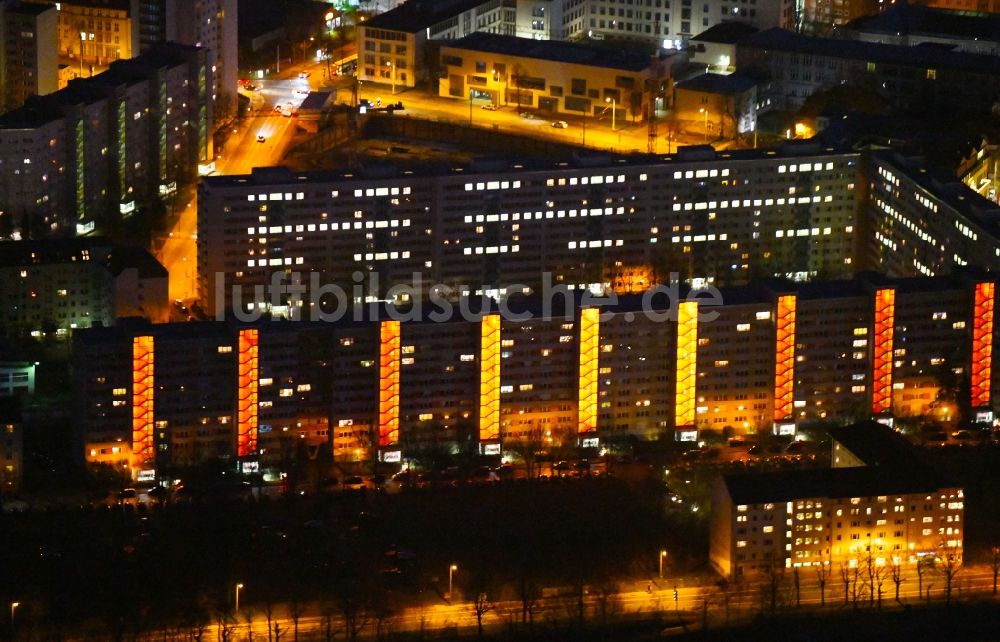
pixel 845 577
pixel 269 614
pixel 607 599
pixel 950 567
pixel 295 609
pixel 896 574
pixel 798 588
pixel 248 618
pixel 869 569
pixel 481 605
pixel 529 592
pixel 822 577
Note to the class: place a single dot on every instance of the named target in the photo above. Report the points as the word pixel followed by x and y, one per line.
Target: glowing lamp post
pixel 13 607
pixel 392 71
pixel 451 575
pixel 238 587
pixel 703 110
pixel 663 556
pixel 614 104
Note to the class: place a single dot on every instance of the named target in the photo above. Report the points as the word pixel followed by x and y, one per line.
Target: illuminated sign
pixel 85 228
pixel 982 345
pixel 687 364
pixel 590 336
pixel 249 467
pixel 167 189
pixel 687 435
pixel 392 456
pixel 127 207
pixel 204 169
pixel 388 393
pixel 591 442
pixel 491 449
pixel 885 323
pixel 142 401
pixel 784 429
pixel 489 378
pixel 784 359
pixel 146 475
pixel 248 373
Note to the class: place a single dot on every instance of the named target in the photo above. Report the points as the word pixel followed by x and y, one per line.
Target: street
pixel 694 606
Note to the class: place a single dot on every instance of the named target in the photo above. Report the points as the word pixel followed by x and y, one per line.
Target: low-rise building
pixel 798 66
pixel 917 24
pixel 716 47
pixel 719 105
pixel 879 501
pixel 393 46
pixel 53 287
pixel 768 521
pixel 553 77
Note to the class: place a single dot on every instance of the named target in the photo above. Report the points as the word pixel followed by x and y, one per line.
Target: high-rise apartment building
pixel 770 358
pixel 94 152
pixel 600 222
pixel 29 61
pixel 52 287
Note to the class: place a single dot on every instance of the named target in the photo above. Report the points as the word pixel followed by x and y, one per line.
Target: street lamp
pixel 392 71
pixel 703 110
pixel 238 587
pixel 451 574
pixel 13 606
pixel 614 103
pixel 663 556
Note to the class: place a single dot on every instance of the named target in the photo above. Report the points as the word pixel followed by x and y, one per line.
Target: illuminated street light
pixel 663 556
pixel 451 574
pixel 13 607
pixel 614 103
pixel 703 110
pixel 238 587
pixel 392 71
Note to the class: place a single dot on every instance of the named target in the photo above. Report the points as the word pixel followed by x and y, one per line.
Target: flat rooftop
pixel 416 15
pixel 574 53
pixel 726 33
pixel 905 19
pixel 723 84
pixel 778 39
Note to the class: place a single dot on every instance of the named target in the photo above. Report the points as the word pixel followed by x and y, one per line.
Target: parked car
pixel 490 107
pixel 260 138
pixel 560 124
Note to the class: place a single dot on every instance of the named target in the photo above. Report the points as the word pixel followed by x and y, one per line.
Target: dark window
pixel 578 86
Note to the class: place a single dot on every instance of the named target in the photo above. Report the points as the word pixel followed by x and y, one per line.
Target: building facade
pixel 95 33
pixel 91 154
pixel 739 361
pixel 600 222
pixel 553 77
pixel 17 378
pixel 768 522
pixel 399 39
pixel 922 78
pixel 54 287
pixel 912 25
pixel 11 455
pixel 29 62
